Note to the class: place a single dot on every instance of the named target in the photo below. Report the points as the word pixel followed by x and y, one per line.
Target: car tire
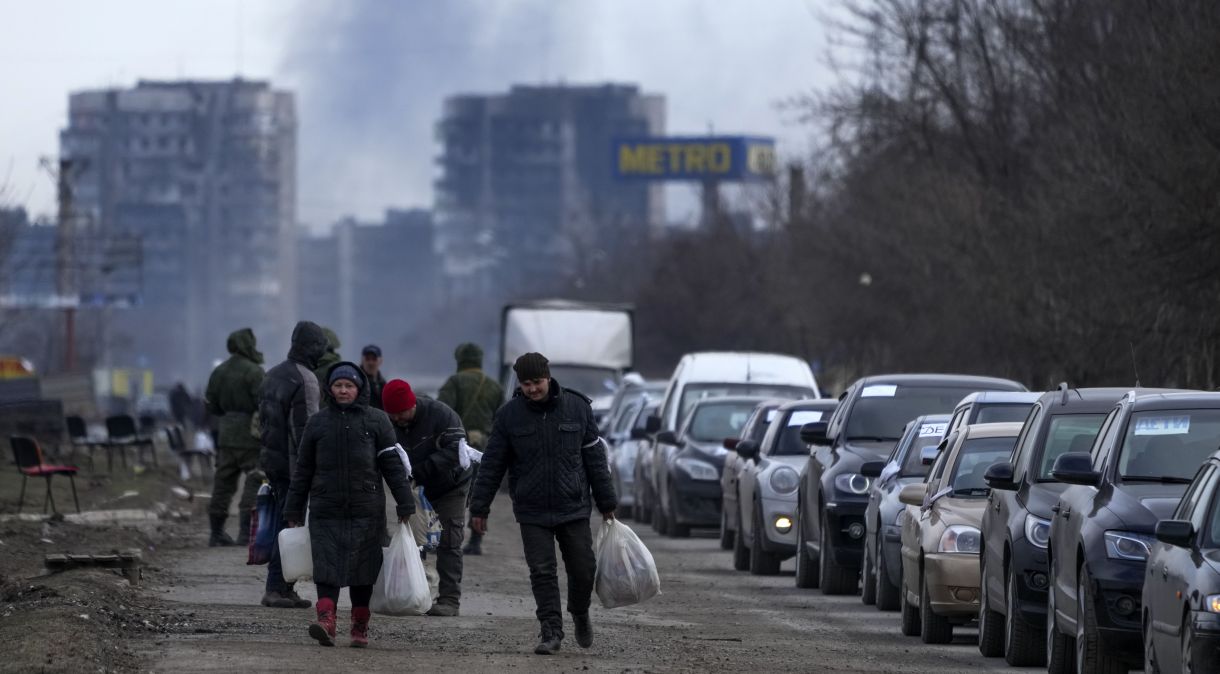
pixel 991 622
pixel 868 578
pixel 934 629
pixel 1188 645
pixel 888 598
pixel 806 566
pixel 672 528
pixel 726 534
pixel 741 554
pixel 1023 643
pixel 762 563
pixel 910 614
pixel 1091 658
pixel 1060 651
pixel 659 519
pixel 1151 666
pixel 833 578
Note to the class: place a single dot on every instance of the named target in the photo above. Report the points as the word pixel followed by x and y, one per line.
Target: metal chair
pixel 28 456
pixel 121 433
pixel 78 434
pixel 178 445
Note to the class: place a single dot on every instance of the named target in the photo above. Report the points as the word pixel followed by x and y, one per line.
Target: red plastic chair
pixel 29 461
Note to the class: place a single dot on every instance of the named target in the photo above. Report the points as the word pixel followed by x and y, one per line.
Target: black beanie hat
pixel 532 366
pixel 344 371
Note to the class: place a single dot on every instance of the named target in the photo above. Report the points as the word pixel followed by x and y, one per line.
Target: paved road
pixel 708 618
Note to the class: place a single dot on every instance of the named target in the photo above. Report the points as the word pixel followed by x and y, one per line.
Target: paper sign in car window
pixel 880 391
pixel 802 417
pixel 1176 425
pixel 932 430
pixel 771 415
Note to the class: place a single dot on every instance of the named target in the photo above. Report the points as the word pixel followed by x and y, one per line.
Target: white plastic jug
pixel 296 554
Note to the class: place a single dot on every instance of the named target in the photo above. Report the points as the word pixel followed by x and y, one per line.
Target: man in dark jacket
pixel 475 397
pixel 232 396
pixel 546 439
pixel 432 433
pixel 370 365
pixel 288 397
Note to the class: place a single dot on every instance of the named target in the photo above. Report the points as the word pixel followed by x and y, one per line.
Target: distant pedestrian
pixel 180 404
pixel 288 398
pixel 232 397
pixel 475 397
pixel 329 357
pixel 370 363
pixel 345 453
pixel 547 441
pixel 431 433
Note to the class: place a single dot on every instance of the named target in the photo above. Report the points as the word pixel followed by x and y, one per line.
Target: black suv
pixel 1148 449
pixel 1016 525
pixel 833 494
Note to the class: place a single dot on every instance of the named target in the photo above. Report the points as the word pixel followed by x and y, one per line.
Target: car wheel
pixel 910 614
pixel 1023 646
pixel 762 563
pixel 1060 651
pixel 833 578
pixel 1188 645
pixel 935 629
pixel 643 506
pixel 1151 666
pixel 806 565
pixel 672 528
pixel 726 534
pixel 887 593
pixel 868 577
pixel 659 520
pixel 1090 657
pixel 741 554
pixel 991 622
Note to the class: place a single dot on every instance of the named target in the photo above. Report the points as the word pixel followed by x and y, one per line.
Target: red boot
pixel 324 629
pixel 360 627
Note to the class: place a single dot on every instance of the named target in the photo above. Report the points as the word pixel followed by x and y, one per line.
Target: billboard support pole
pixel 710 203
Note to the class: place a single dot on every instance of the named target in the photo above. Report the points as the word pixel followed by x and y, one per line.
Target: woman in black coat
pixel 345 452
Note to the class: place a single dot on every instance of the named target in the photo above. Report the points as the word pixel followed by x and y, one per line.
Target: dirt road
pixel 709 618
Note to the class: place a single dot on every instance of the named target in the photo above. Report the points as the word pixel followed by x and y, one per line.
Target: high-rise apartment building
pixel 527 193
pixel 204 172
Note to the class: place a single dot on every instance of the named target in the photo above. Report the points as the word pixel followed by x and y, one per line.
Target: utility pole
pixel 65 259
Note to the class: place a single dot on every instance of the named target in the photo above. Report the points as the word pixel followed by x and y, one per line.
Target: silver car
pixel 625 451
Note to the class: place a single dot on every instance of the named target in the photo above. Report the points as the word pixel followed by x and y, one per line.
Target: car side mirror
pixel 731 443
pixel 913 494
pixel 667 438
pixel 872 468
pixel 927 455
pixel 747 449
pixel 653 424
pixel 999 476
pixel 814 433
pixel 1076 468
pixel 639 434
pixel 1175 532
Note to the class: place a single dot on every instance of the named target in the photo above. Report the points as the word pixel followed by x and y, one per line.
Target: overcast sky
pixel 370 75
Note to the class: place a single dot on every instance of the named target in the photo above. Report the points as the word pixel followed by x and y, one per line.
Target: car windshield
pixel 1168 445
pixel 789 442
pixel 929 435
pixel 973 460
pixel 713 422
pixel 591 381
pixel 693 393
pixel 882 411
pixel 999 413
pixel 1067 433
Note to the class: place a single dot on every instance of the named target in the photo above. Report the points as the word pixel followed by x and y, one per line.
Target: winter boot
pixel 360 627
pixel 584 630
pixel 219 538
pixel 296 599
pixel 548 644
pixel 273 599
pixel 243 529
pixel 475 546
pixel 443 610
pixel 324 629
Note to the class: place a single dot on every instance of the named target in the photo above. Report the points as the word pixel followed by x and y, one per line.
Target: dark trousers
pixel 576 544
pixel 360 594
pixel 275 572
pixel 451 509
pixel 230 465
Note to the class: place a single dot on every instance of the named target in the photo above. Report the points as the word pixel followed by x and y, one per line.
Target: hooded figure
pixel 329 357
pixel 472 394
pixel 232 397
pixel 347 450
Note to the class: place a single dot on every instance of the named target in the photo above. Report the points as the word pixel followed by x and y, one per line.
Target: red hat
pixel 397 397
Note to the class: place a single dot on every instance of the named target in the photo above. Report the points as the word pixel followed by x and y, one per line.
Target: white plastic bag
pixel 296 554
pixel 626 572
pixel 402 585
pixel 402 456
pixel 468 455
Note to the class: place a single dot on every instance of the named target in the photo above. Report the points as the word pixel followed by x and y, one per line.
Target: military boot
pixel 219 538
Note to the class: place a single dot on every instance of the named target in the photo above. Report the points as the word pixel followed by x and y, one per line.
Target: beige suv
pixel 940 532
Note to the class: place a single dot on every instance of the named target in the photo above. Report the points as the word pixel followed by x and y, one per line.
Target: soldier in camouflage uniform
pixel 232 397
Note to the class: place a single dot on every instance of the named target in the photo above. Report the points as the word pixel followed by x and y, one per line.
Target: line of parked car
pixel 1079 529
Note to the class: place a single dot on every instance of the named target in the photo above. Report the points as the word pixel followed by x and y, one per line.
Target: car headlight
pixel 1128 545
pixel 852 483
pixel 784 480
pixel 697 470
pixel 1037 531
pixel 1212 603
pixel 960 539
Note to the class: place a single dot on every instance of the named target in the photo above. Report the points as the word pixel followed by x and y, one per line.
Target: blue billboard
pixel 732 158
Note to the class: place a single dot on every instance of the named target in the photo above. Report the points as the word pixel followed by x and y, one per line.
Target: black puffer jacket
pixel 553 457
pixel 431 441
pixel 339 469
pixel 288 396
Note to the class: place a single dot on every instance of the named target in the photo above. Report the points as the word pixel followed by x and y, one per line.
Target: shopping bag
pixel 468 455
pixel 425 523
pixel 402 584
pixel 296 554
pixel 264 523
pixel 626 572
